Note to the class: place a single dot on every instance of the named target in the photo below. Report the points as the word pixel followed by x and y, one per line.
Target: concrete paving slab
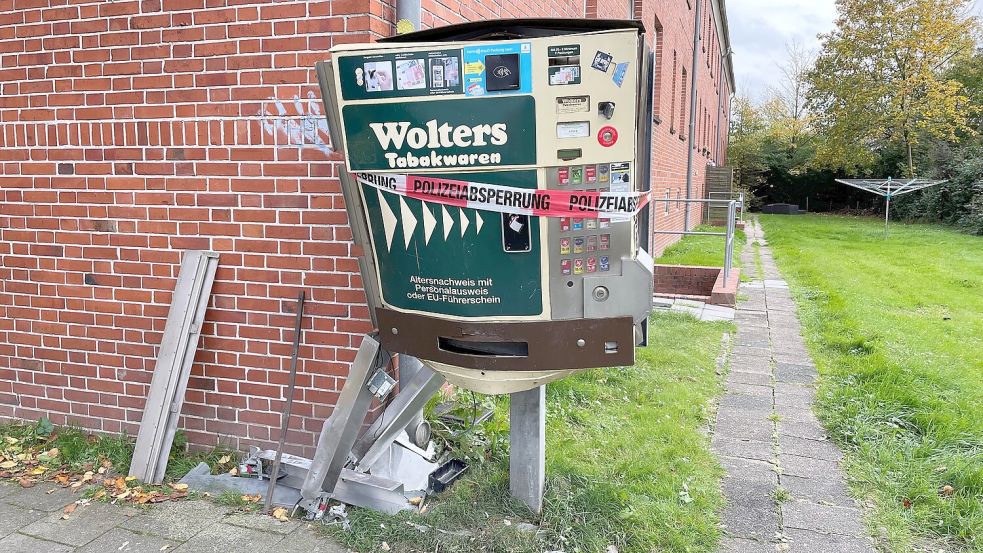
pixel 44 496
pixel 796 413
pixel 750 389
pixel 804 541
pixel 689 303
pixel 794 394
pixel 825 519
pixel 176 520
pixel 15 517
pixel 795 373
pixel 662 303
pixel 730 544
pixel 736 427
pixel 817 449
pixel 305 540
pixel 725 446
pixel 7 488
pixel 19 543
pixel 823 490
pixel 744 403
pixel 261 522
pixel 812 431
pixel 754 379
pixel 744 363
pixel 127 541
pixel 84 525
pixel 807 467
pixel 757 521
pixel 226 538
pixel 752 351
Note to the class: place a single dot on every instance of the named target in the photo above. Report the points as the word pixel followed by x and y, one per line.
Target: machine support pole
pixel 527 456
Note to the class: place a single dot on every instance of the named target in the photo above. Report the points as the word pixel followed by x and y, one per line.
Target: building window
pixel 682 106
pixel 672 97
pixel 657 80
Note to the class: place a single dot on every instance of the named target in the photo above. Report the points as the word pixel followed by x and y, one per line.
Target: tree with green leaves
pixel 879 86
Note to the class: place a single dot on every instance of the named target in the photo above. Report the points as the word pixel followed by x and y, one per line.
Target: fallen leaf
pixel 53 452
pixel 224 459
pixel 39 470
pixel 948 490
pixel 385 546
pixel 8 464
pixel 280 514
pixel 62 478
pixel 123 495
pixel 11 440
pixel 76 485
pixel 130 478
pixel 26 483
pixel 252 498
pixel 102 470
pixel 234 471
pixel 99 494
pixel 87 476
pixel 416 501
pixel 180 486
pixel 70 508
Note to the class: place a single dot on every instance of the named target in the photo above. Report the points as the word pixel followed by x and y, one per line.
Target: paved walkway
pixel 784 487
pixel 32 520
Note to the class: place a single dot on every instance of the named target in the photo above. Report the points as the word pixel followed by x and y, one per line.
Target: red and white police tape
pixel 509 199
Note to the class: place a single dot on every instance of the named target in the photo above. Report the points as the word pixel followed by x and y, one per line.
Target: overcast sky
pixel 760 29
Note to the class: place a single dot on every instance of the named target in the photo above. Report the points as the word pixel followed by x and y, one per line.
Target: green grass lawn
pixel 628 464
pixel 896 328
pixel 704 251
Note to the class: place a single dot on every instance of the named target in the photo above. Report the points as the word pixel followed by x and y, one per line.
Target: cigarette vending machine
pixel 496 177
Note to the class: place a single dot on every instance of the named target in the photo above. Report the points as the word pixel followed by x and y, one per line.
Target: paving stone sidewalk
pixel 784 487
pixel 31 522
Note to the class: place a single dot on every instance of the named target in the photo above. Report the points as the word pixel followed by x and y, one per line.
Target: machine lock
pixel 606 109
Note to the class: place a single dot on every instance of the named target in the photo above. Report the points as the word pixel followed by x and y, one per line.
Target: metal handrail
pixel 732 206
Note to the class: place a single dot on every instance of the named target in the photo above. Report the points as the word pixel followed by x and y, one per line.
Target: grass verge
pixel 628 464
pixel 896 329
pixel 702 250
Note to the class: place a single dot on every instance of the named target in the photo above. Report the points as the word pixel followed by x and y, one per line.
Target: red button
pixel 607 136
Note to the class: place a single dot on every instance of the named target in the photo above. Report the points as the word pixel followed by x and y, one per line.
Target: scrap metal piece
pixel 341 429
pixel 174 360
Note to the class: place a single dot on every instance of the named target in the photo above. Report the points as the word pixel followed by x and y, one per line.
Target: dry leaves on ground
pixel 29 464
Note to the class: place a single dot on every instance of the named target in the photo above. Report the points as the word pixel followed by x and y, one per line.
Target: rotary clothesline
pixel 888 188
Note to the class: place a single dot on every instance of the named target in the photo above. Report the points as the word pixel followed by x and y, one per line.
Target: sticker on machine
pixel 620 177
pixel 572 104
pixel 602 61
pixel 620 71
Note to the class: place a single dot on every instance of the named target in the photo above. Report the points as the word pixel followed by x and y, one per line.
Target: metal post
pixel 887 207
pixel 729 246
pixel 697 40
pixel 527 454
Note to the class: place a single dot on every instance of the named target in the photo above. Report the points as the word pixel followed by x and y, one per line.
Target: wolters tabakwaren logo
pixel 501 72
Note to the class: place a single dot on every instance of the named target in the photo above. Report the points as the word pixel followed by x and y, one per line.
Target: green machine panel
pixel 452 260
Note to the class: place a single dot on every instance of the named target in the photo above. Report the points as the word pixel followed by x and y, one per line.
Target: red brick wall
pixel 670 141
pixel 133 130
pixel 673 280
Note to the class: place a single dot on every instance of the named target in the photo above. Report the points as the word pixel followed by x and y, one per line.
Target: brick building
pixel 132 130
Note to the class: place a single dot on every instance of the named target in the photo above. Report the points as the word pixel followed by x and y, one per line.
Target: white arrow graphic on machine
pixel 390 221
